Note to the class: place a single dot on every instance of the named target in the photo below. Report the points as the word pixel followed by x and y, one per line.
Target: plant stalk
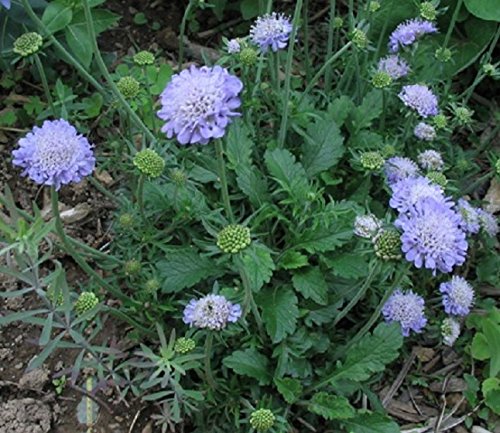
pixel 223 180
pixel 45 83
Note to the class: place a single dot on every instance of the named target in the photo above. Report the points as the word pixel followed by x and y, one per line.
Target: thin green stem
pixel 305 20
pixel 45 83
pixel 288 74
pixel 140 196
pixel 329 45
pixel 223 180
pixel 249 303
pixel 150 101
pixel 104 71
pixel 322 70
pixel 185 17
pixel 452 23
pixel 59 47
pixel 208 360
pixel 384 107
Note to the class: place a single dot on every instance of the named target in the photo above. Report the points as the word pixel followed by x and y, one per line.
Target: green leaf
pixel 371 108
pixel 492 334
pixel 491 392
pixel 79 42
pixel 312 285
pixel 249 363
pixel 339 109
pixel 258 264
pixel 488 10
pixel 184 268
pixel 164 74
pixel 292 260
pixel 253 184
pixel 371 354
pixel 331 406
pixel 289 174
pixel 102 19
pixel 323 146
pixel 57 16
pixel 289 388
pixel 348 266
pixel 279 312
pixel 371 423
pixel 480 347
pixel 249 9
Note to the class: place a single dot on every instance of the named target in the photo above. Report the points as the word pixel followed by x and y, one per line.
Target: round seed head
pixel 387 244
pixel 129 87
pixel 144 58
pixel 85 302
pixel 248 56
pixel 262 419
pixel 372 160
pixel 28 44
pixel 381 79
pixel 149 163
pixel 184 345
pixel 234 238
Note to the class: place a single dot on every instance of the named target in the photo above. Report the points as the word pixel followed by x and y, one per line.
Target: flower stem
pixel 208 358
pixel 104 71
pixel 140 196
pixel 249 303
pixel 288 73
pixel 329 49
pixel 223 180
pixel 45 84
pixel 452 23
pixel 183 32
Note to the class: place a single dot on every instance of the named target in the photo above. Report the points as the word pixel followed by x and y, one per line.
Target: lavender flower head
pixel 432 236
pixel 211 312
pixel 430 160
pixel 420 98
pixel 398 168
pixel 488 222
pixel 393 65
pixel 367 226
pixel 5 3
pixel 199 103
pixel 406 308
pixel 424 132
pixel 271 31
pixel 407 192
pixel 408 32
pixel 458 296
pixel 470 216
pixel 54 154
pixel 450 331
pixel 233 46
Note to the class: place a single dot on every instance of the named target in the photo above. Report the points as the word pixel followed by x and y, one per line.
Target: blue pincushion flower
pixel 470 216
pixel 199 103
pixel 488 222
pixel 271 31
pixel 424 132
pixel 233 46
pixel 393 65
pixel 407 192
pixel 430 160
pixel 408 32
pixel 421 99
pixel 54 154
pixel 458 296
pixel 398 168
pixel 432 235
pixel 5 3
pixel 211 312
pixel 407 309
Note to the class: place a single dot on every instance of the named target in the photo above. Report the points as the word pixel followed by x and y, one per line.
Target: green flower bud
pixel 381 79
pixel 463 115
pixel 388 150
pixel 489 69
pixel 178 176
pixel 132 267
pixel 233 238
pixel 152 285
pixel 149 163
pixel 440 121
pixel 374 6
pixel 129 87
pixel 143 58
pixel 443 54
pixel 85 302
pixel 437 177
pixel 462 164
pixel 28 44
pixel 428 11
pixel 338 22
pixel 262 419
pixel 184 345
pixel 372 160
pixel 248 56
pixel 56 297
pixel 359 39
pixel 387 244
pixel 126 220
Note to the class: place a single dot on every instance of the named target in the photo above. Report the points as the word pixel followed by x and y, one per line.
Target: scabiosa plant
pixel 234 238
pixel 470 216
pixel 420 98
pixel 149 163
pixel 428 11
pixel 271 31
pixel 387 244
pixel 85 302
pixel 458 296
pixel 437 177
pixel 248 56
pixel 450 331
pixel 262 419
pixel 211 312
pixel 398 168
pixel 27 44
pixel 408 32
pixel 432 236
pixel 407 192
pixel 367 226
pixel 199 103
pixel 381 80
pixel 488 222
pixel 430 160
pixel 424 131
pixel 54 154
pixel 233 46
pixel 144 58
pixel 407 309
pixel 129 87
pixel 372 160
pixel 394 65
pixel 184 345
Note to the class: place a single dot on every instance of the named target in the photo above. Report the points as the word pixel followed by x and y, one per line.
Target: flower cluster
pixel 234 238
pixel 408 32
pixel 262 419
pixel 27 44
pixel 149 163
pixel 430 160
pixel 54 154
pixel 184 345
pixel 212 312
pixel 458 296
pixel 372 160
pixel 424 132
pixel 199 103
pixel 407 309
pixel 393 65
pixel 420 98
pixel 367 226
pixel 86 302
pixel 407 192
pixel 233 46
pixel 144 58
pixel 450 331
pixel 387 244
pixel 271 31
pixel 398 168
